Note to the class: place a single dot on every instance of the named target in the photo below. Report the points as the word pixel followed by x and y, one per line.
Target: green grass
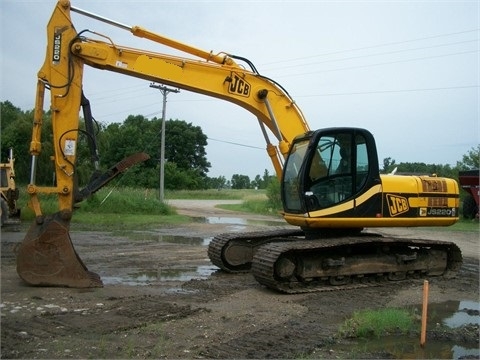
pixel 212 194
pixel 255 202
pixel 376 323
pixel 115 222
pixel 464 225
pixel 127 208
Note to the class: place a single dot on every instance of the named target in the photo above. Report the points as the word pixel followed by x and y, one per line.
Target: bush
pixel 274 195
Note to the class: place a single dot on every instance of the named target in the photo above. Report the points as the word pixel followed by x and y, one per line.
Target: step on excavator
pixel 331 186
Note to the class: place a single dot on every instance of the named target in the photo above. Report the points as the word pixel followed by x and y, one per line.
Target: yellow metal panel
pixel 349 205
pixel 367 222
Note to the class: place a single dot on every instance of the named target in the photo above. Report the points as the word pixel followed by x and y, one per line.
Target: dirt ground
pixel 163 299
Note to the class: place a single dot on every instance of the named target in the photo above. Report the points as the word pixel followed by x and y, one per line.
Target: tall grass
pixel 105 201
pixel 125 201
pixel 126 207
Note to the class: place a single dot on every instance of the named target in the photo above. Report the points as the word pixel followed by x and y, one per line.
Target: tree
pixel 274 194
pixel 267 179
pixel 471 160
pixel 216 183
pixel 16 130
pixel 261 182
pixel 136 134
pixel 178 179
pixel 240 181
pixel 257 182
pixel 184 152
pixel 388 165
pixel 185 146
pixel 16 127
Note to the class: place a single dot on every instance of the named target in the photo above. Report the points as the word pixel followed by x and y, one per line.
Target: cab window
pixel 337 169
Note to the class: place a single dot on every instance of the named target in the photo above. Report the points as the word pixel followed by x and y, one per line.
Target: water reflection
pixel 161 275
pixel 225 220
pixel 403 347
pixel 228 220
pixel 172 239
pixel 466 312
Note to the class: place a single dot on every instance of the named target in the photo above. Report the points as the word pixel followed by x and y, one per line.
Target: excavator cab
pixel 332 181
pixel 327 168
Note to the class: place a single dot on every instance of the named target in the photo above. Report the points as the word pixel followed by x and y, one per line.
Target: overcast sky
pixel 406 70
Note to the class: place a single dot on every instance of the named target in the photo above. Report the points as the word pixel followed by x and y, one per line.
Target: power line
pixel 234 143
pixel 382 63
pixel 393 91
pixel 123 90
pixel 298 96
pixel 374 46
pixel 377 54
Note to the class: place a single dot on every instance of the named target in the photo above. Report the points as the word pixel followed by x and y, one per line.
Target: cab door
pixel 328 168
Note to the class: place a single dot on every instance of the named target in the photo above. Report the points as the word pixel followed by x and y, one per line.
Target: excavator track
pixel 285 261
pixel 351 262
pixel 234 252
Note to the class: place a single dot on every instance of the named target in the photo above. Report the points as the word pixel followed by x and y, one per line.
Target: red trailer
pixel 470 182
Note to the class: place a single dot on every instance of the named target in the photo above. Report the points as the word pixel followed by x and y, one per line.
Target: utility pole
pixel 164 90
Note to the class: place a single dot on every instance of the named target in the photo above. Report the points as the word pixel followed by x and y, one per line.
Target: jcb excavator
pixel 330 180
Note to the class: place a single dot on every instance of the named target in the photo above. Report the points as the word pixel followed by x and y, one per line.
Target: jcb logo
pixel 239 86
pixel 397 205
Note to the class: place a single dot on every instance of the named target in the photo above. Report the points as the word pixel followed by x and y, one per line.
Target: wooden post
pixel 424 314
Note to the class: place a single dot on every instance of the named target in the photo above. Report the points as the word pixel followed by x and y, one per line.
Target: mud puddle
pixel 150 273
pixel 455 314
pixel 441 343
pixel 237 221
pixel 171 239
pixel 161 275
pixel 394 347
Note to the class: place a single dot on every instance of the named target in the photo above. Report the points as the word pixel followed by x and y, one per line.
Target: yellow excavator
pixel 9 194
pixel 331 185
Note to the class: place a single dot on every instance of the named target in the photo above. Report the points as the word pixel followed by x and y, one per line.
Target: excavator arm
pixel 67 53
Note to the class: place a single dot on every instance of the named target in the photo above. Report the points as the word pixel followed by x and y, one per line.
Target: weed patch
pixel 376 323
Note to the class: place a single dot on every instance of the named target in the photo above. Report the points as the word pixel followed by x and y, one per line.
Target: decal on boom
pixel 239 86
pixel 57 47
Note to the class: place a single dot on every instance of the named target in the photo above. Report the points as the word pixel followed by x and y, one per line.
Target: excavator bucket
pixel 46 257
